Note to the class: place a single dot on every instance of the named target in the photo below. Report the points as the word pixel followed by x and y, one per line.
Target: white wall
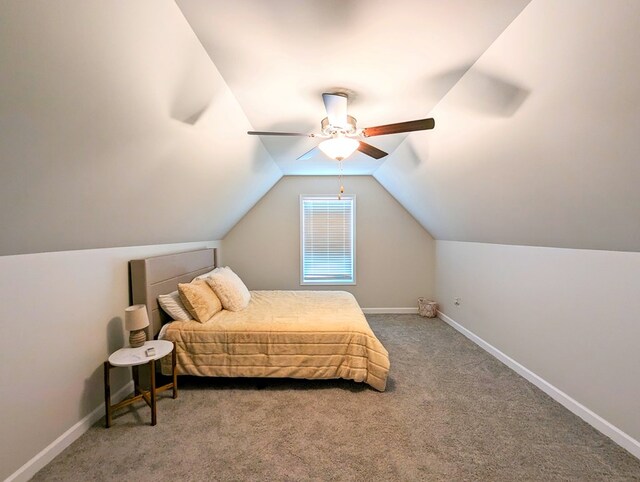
pixel 394 254
pixel 62 315
pixel 570 316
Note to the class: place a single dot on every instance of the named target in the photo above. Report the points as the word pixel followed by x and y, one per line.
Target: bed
pixel 291 334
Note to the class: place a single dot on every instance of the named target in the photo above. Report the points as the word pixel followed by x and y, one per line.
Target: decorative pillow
pixel 199 299
pixel 206 275
pixel 232 292
pixel 172 306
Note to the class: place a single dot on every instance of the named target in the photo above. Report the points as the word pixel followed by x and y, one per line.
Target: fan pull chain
pixel 340 180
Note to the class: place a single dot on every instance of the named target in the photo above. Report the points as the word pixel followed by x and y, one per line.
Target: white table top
pixel 127 357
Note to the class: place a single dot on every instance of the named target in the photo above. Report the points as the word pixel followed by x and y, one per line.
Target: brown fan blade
pixel 409 126
pixel 371 151
pixel 309 154
pixel 265 133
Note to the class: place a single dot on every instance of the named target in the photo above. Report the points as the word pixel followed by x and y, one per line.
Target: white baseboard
pixel 397 311
pixel 596 421
pixel 47 454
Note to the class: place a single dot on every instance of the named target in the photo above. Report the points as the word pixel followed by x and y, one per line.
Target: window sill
pixel 332 283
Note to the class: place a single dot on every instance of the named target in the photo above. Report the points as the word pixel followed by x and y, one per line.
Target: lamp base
pixel 137 338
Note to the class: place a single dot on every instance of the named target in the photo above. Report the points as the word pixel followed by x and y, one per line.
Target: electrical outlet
pixel 456 301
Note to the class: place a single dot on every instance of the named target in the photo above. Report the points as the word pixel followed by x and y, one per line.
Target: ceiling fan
pixel 340 131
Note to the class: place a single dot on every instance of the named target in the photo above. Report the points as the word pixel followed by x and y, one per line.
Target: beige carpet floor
pixel 451 412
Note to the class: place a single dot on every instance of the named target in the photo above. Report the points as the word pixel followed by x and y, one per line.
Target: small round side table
pixel 134 357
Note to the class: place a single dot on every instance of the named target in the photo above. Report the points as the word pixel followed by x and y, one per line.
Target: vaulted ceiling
pixel 117 129
pixel 125 123
pixel 396 60
pixel 538 143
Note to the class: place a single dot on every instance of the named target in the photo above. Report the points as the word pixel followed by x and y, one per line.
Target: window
pixel 327 239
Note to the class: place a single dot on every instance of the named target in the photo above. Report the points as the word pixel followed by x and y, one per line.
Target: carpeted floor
pixel 451 412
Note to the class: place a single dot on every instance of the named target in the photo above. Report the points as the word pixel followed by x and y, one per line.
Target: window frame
pixel 351 282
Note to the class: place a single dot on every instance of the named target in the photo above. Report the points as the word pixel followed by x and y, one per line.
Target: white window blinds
pixel 327 240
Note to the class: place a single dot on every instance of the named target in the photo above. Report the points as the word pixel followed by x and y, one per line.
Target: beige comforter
pixel 295 334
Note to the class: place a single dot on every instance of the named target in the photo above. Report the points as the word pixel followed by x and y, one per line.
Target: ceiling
pixel 117 130
pixel 538 143
pixel 395 59
pixel 125 124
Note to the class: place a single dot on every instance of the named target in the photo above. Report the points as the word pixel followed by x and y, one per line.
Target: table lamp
pixel 135 321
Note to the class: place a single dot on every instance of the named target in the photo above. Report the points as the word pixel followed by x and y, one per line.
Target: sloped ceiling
pixel 538 143
pixel 395 59
pixel 117 129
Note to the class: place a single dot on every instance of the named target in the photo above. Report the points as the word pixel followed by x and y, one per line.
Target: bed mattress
pixel 291 334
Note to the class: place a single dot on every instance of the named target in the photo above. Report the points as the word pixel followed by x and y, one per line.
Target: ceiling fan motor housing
pixel 331 130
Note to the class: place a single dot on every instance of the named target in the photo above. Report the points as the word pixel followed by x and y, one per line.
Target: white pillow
pixel 172 306
pixel 232 292
pixel 206 275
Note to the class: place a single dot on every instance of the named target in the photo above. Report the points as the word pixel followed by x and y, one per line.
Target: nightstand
pixel 134 357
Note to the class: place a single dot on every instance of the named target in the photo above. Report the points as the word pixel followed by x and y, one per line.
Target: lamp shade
pixel 339 148
pixel 136 318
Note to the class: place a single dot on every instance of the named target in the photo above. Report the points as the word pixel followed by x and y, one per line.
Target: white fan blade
pixel 336 106
pixel 309 154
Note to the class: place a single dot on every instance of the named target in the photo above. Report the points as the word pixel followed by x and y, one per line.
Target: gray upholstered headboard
pixel 159 275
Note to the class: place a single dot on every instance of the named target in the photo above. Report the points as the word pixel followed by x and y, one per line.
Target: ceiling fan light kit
pixel 339 148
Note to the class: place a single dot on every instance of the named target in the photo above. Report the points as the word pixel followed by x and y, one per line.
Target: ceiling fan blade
pixel 266 133
pixel 309 154
pixel 371 151
pixel 336 107
pixel 409 126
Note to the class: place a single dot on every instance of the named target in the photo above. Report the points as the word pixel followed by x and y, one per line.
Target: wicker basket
pixel 427 308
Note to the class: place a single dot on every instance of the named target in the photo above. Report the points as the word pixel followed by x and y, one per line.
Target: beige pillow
pixel 199 299
pixel 232 292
